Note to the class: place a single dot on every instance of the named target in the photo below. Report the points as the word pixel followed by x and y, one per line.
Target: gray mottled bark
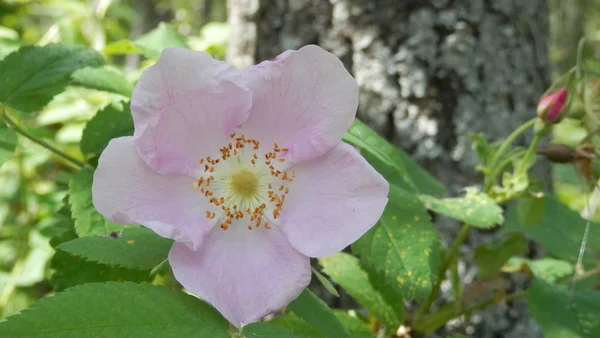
pixel 430 71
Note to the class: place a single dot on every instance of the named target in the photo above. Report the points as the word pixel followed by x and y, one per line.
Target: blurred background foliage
pixel 33 183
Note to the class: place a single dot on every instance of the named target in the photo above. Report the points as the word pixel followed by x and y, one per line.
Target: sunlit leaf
pixel 87 220
pixel 113 121
pixel 106 79
pixel 134 248
pixel 345 270
pixel 394 164
pixel 117 310
pixel 31 76
pixel 164 36
pixel 404 246
pixel 475 208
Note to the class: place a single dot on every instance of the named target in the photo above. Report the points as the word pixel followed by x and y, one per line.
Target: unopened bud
pixel 558 153
pixel 550 108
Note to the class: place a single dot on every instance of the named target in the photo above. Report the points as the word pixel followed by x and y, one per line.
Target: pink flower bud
pixel 550 107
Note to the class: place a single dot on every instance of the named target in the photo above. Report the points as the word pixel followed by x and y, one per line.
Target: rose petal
pixel 245 274
pixel 333 200
pixel 125 190
pixel 184 107
pixel 304 100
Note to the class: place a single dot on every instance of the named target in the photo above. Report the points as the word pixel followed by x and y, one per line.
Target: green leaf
pixel 548 269
pixel 354 325
pixel 404 246
pixel 136 248
pixel 163 36
pixel 345 270
pixel 562 315
pixel 325 282
pixel 316 313
pixel 113 121
pixel 87 220
pixel 106 79
pixel 121 47
pixel 530 210
pixel 475 208
pixel 267 330
pixel 32 76
pixel 560 231
pixel 8 142
pixel 392 162
pixel 299 327
pixel 71 271
pixel 117 310
pixel 491 257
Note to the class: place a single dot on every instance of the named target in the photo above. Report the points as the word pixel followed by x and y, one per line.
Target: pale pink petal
pixel 245 274
pixel 184 107
pixel 333 200
pixel 304 100
pixel 125 190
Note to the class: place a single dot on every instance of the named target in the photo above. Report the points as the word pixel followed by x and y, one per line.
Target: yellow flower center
pixel 245 182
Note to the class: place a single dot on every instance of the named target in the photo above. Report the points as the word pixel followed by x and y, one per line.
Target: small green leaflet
pixel 108 79
pixel 548 269
pixel 136 248
pixel 87 220
pixel 117 310
pixel 32 76
pixel 113 121
pixel 394 164
pixel 316 313
pixel 562 315
pixel 70 271
pixel 8 142
pixel 300 328
pixel 475 208
pixel 404 246
pixel 345 270
pixel 491 257
pixel 151 44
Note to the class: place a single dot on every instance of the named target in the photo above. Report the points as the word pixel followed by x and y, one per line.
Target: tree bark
pixel 430 71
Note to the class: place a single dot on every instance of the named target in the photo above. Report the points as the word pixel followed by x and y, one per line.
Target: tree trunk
pixel 430 71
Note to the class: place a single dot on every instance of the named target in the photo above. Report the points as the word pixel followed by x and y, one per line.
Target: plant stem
pixel 503 147
pixel 444 319
pixel 460 237
pixel 530 151
pixel 79 164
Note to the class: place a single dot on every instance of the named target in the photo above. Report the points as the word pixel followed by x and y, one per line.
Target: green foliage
pixel 356 327
pixel 267 330
pixel 345 270
pixel 113 121
pixel 315 312
pixel 564 315
pixel 560 231
pixel 87 220
pixel 395 165
pixel 106 79
pixel 491 257
pixel 32 76
pixel 404 246
pixel 548 269
pixel 475 208
pixel 117 310
pixel 530 210
pixel 71 270
pixel 163 36
pixel 134 248
pixel 8 142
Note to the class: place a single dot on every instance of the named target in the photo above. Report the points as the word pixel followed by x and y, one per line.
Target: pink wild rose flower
pixel 245 170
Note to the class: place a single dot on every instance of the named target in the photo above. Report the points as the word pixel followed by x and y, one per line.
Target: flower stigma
pixel 245 183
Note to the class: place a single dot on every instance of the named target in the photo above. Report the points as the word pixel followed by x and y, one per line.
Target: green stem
pixel 522 168
pixel 460 237
pixel 503 147
pixel 79 164
pixel 444 319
